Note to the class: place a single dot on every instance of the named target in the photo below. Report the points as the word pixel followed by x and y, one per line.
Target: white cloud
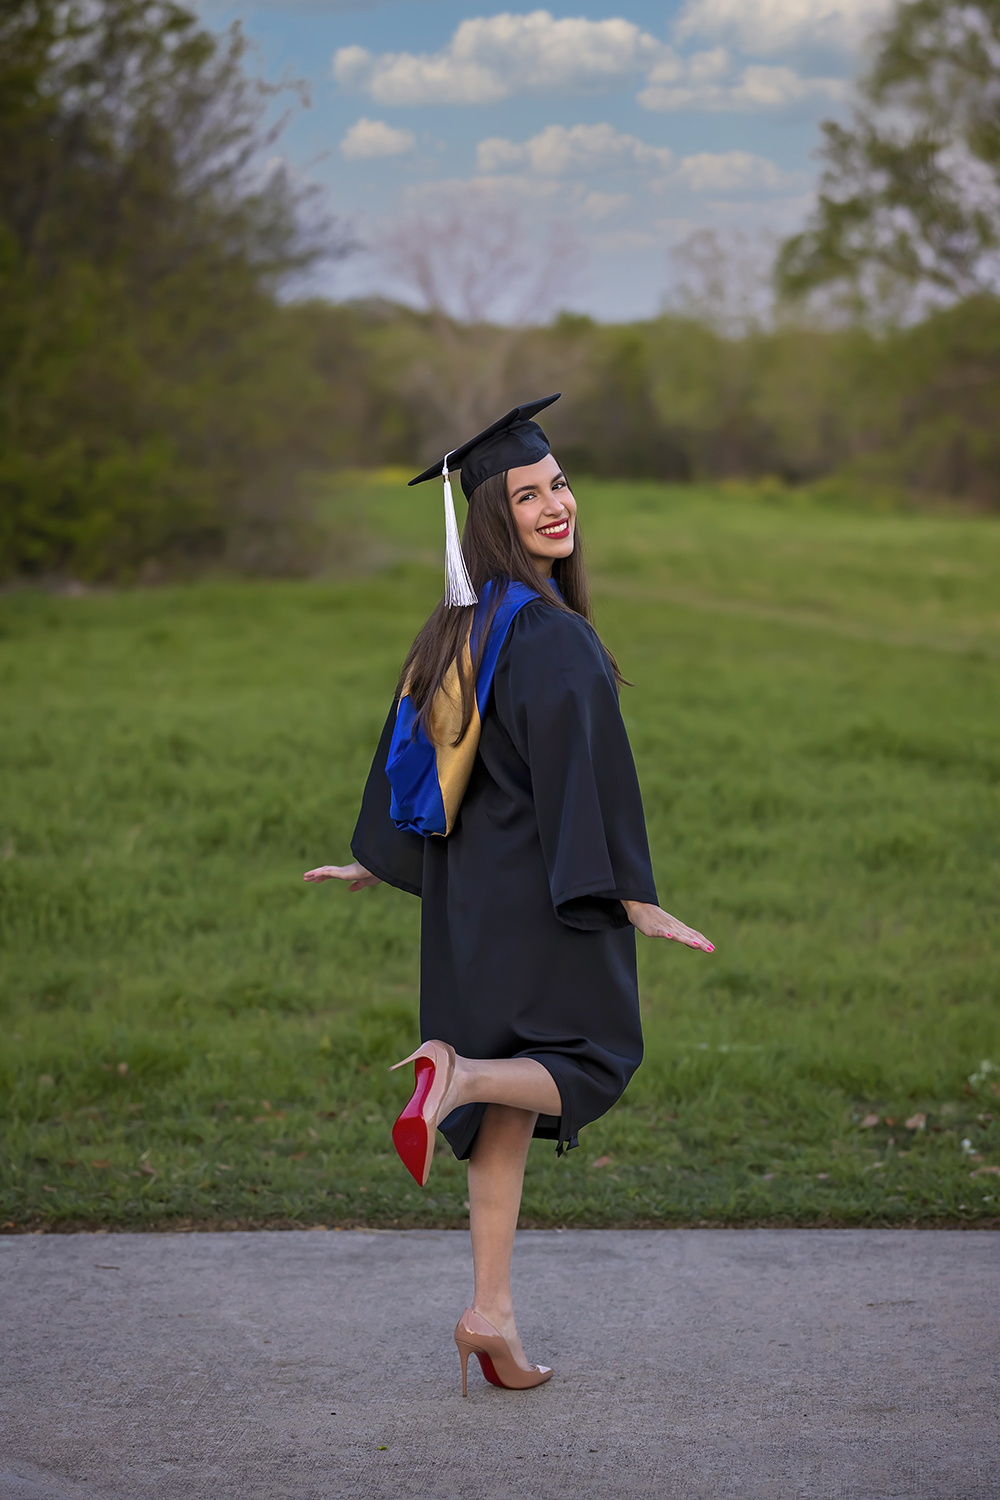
pixel 764 27
pixel 769 87
pixel 698 68
pixel 599 206
pixel 497 152
pixel 371 138
pixel 491 58
pixel 729 171
pixel 402 78
pixel 507 187
pixel 757 87
pixel 558 149
pixel 352 66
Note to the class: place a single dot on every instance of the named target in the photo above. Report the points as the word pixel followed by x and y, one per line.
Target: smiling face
pixel 544 511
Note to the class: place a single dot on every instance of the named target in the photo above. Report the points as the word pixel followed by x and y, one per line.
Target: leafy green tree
pixel 909 205
pixel 150 402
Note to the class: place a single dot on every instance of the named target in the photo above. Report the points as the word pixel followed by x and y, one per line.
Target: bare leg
pixel 496 1176
pixel 520 1082
pixel 515 1090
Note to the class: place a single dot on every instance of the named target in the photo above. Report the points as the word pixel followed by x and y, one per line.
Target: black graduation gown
pixel 526 950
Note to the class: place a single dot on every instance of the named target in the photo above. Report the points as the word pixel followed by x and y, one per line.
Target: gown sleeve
pixel 394 855
pixel 556 696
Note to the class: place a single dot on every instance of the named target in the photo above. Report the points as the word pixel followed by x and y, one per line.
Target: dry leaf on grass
pixel 868 1122
pixel 986 1172
pixel 102 1164
pixel 916 1122
pixel 298 1155
pixel 602 1161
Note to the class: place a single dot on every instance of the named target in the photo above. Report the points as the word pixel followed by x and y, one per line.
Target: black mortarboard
pixel 511 443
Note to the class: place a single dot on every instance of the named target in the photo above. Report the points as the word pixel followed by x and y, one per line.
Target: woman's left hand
pixel 359 877
pixel 653 921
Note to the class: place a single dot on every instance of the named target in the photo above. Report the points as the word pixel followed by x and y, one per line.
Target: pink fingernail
pixel 710 948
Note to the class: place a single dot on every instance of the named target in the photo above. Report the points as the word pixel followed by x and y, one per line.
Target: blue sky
pixel 620 128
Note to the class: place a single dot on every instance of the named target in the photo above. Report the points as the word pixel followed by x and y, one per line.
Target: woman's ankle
pixel 461 1091
pixel 496 1312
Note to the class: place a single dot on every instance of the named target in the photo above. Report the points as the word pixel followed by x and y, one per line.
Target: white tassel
pixel 458 588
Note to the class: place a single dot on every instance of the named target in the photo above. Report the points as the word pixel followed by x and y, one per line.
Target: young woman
pixel 522 830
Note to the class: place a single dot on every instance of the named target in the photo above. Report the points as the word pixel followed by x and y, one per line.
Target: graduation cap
pixel 511 443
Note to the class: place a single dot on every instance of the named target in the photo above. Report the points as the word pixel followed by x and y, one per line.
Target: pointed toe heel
pixel 414 1131
pixel 474 1334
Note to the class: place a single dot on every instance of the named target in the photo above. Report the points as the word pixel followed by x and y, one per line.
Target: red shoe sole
pixel 489 1369
pixel 410 1136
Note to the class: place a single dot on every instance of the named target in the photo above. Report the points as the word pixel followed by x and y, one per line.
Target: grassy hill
pixel 190 1035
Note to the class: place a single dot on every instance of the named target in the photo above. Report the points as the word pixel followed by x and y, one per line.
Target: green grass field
pixel 192 1036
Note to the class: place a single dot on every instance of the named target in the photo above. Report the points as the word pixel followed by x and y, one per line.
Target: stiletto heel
pixel 413 1132
pixel 476 1335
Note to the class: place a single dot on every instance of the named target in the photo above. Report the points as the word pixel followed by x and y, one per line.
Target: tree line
pixel 166 398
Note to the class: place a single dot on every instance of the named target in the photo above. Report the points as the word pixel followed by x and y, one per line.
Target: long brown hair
pixel 493 552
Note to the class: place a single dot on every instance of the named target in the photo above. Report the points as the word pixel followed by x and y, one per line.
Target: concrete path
pixel 756 1364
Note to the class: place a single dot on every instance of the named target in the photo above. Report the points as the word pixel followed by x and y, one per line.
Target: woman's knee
pixel 506 1124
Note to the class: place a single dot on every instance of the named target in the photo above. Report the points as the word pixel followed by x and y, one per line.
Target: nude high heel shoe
pixel 476 1335
pixel 413 1132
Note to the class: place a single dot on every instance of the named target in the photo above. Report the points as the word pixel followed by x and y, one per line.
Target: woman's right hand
pixel 653 921
pixel 356 874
